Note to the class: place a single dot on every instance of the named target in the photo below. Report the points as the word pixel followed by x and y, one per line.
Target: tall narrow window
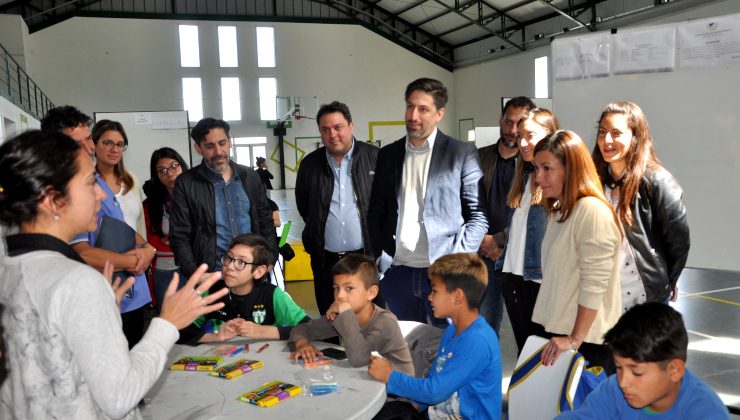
pixel 192 97
pixel 189 51
pixel 268 98
pixel 231 99
pixel 265 47
pixel 227 51
pixel 541 82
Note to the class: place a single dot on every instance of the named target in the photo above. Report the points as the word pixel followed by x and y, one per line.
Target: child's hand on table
pixel 304 350
pixel 250 330
pixel 227 331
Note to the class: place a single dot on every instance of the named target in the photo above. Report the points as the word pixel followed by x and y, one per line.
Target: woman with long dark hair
pixel 165 166
pixel 579 299
pixel 520 262
pixel 648 201
pixel 62 327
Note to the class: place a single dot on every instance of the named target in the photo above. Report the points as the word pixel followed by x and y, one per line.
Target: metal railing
pixel 18 88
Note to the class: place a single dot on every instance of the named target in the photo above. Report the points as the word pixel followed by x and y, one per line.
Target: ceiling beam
pixel 481 25
pixel 566 15
pixel 409 7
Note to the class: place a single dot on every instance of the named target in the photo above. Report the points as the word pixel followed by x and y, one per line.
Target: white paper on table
pixel 645 50
pixel 709 42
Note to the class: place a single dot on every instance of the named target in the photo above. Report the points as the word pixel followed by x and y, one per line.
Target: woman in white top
pixel 110 142
pixel 579 300
pixel 66 353
pixel 521 260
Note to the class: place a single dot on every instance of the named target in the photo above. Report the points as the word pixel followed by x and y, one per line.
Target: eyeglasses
pixel 110 145
pixel 171 169
pixel 238 263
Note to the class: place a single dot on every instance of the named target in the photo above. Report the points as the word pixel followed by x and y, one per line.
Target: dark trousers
pixel 492 305
pixel 520 296
pixel 133 325
pixel 406 290
pixel 397 409
pixel 323 286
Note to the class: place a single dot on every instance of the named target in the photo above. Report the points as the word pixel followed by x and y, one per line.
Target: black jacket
pixel 315 186
pixel 659 234
pixel 193 222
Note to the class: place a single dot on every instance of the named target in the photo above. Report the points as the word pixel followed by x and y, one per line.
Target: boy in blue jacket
pixel 465 380
pixel 649 344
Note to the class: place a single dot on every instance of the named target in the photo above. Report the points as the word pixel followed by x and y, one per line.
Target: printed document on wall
pixel 581 57
pixel 645 50
pixel 709 42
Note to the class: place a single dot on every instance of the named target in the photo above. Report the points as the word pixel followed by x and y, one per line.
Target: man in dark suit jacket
pixel 424 203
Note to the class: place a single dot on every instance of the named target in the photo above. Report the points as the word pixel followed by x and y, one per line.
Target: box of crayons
pixel 270 394
pixel 238 368
pixel 197 363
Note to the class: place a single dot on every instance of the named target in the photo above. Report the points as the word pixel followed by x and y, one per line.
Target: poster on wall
pixel 566 64
pixel 581 57
pixel 645 50
pixel 709 42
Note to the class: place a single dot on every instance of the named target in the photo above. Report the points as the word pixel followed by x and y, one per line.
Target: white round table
pixel 196 395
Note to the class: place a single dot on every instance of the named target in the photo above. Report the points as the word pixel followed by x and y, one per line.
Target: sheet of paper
pixel 644 50
pixel 709 42
pixel 582 56
pixel 169 123
pixel 143 118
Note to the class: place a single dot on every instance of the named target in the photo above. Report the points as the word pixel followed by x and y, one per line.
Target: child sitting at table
pixel 254 307
pixel 465 380
pixel 363 326
pixel 649 344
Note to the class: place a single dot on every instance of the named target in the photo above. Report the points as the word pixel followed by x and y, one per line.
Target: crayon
pixel 264 346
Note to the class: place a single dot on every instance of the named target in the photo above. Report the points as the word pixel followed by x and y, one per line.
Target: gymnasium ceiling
pixel 450 33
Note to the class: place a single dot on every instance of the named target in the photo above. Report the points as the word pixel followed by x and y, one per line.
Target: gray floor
pixel 708 299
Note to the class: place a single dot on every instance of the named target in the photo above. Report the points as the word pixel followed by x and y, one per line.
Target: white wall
pixel 13 34
pixel 479 88
pixel 111 65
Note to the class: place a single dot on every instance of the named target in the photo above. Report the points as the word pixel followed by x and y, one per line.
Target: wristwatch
pixel 572 343
pixel 145 244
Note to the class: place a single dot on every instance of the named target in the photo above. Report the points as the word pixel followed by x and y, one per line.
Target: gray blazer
pixel 453 215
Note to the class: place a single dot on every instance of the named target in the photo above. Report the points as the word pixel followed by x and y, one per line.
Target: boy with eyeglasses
pixel 254 308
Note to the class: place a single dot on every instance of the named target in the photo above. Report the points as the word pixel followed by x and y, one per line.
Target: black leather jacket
pixel 315 186
pixel 659 234
pixel 193 222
